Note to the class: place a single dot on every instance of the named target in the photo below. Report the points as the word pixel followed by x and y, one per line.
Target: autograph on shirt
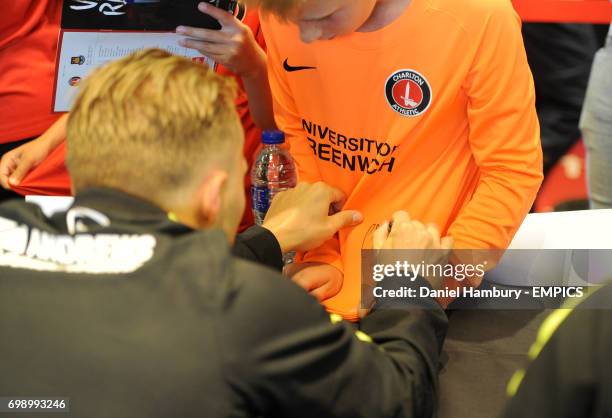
pixel 106 7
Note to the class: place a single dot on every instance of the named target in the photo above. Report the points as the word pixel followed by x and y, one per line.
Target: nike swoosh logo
pixel 291 69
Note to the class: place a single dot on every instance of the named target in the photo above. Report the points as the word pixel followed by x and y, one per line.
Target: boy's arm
pixel 258 92
pixel 504 135
pixel 257 86
pixel 16 164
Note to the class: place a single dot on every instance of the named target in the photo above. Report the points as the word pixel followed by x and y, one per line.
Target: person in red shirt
pixel 28 45
pixel 238 48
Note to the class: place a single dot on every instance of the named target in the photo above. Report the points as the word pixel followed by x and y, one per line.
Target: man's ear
pixel 209 197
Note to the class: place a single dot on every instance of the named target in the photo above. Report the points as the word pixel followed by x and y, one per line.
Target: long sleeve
pixel 259 245
pixel 293 361
pixel 289 121
pixel 504 135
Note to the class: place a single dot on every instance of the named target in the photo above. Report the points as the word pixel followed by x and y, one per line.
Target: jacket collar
pixel 119 205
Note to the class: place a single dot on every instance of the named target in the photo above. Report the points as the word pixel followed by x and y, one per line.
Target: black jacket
pixel 571 375
pixel 138 316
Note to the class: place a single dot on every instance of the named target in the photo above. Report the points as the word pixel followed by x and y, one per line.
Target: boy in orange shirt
pixel 425 106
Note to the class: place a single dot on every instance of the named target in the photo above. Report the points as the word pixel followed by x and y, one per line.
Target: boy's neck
pixel 385 12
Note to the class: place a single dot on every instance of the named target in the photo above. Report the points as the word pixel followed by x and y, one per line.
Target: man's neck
pixel 385 12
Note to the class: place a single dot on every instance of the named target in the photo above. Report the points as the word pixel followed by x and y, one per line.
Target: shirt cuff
pixel 259 244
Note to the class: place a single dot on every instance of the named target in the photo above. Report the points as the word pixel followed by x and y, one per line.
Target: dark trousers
pixel 560 57
pixel 4 148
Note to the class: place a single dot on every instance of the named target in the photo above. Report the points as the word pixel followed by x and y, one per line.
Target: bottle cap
pixel 273 137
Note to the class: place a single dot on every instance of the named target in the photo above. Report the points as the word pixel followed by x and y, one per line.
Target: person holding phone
pixel 239 51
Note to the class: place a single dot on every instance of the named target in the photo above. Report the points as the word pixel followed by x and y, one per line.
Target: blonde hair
pixel 150 124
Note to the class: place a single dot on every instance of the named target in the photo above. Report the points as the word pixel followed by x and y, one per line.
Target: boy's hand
pixel 321 280
pixel 16 163
pixel 234 46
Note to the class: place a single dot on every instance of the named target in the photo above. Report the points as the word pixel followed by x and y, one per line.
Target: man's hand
pixel 234 46
pixel 300 218
pixel 407 234
pixel 423 241
pixel 323 281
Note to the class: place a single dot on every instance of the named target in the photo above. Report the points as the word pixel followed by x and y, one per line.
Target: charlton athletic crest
pixel 408 93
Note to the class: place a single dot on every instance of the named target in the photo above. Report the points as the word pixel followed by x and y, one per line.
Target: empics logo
pixel 408 93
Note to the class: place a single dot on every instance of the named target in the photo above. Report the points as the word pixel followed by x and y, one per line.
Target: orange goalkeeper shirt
pixel 433 114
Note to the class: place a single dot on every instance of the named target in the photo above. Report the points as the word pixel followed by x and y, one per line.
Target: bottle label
pixel 261 198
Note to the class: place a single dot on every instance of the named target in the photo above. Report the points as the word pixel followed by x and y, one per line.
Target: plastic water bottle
pixel 273 172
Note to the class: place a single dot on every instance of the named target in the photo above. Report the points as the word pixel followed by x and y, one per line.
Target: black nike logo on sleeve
pixel 290 68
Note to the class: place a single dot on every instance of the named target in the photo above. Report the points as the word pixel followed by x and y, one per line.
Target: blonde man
pixel 131 312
